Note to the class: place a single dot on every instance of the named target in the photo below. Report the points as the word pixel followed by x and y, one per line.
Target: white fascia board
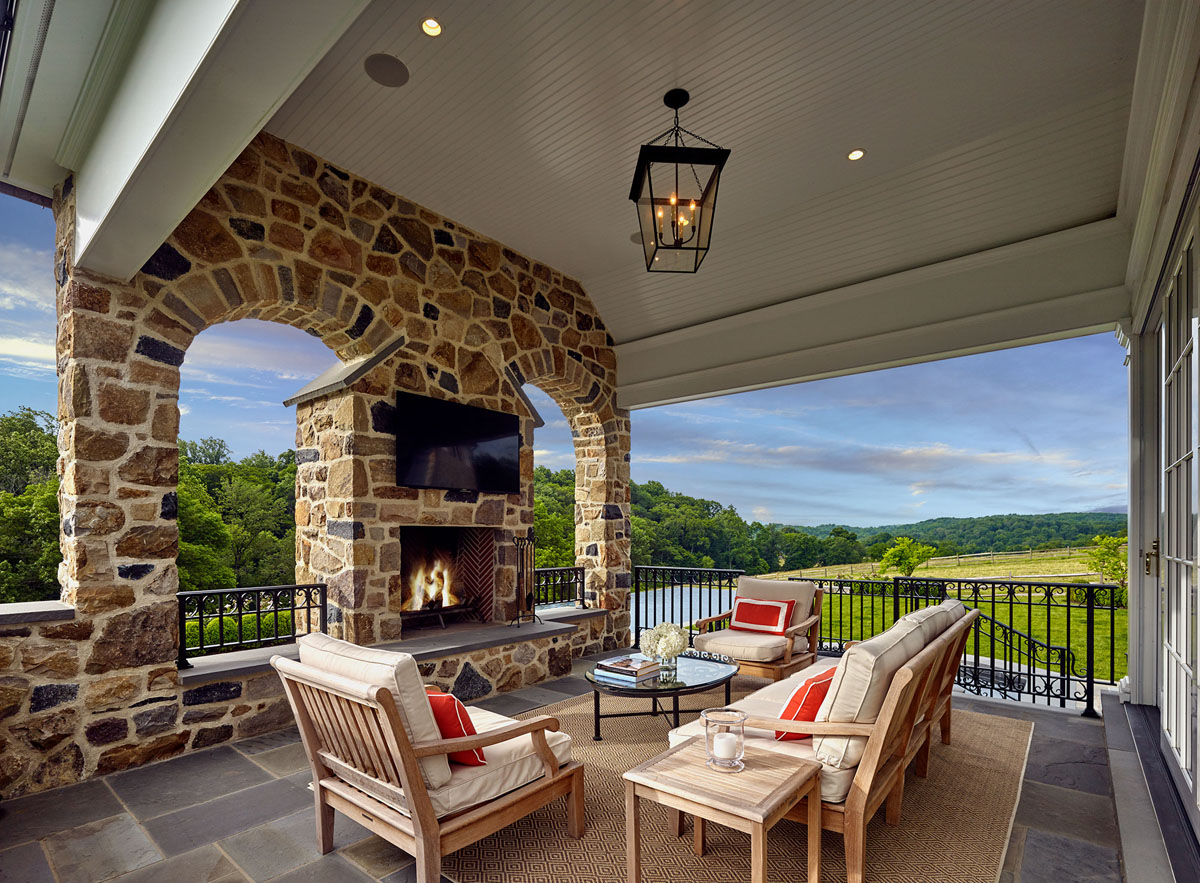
pixel 1059 285
pixel 203 80
pixel 1162 140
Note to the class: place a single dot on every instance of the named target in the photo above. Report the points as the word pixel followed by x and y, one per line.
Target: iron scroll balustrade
pixel 1023 643
pixel 558 585
pixel 679 594
pixel 240 619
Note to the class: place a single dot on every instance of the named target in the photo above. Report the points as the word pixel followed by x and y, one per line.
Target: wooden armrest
pixel 434 747
pixel 818 728
pixel 803 626
pixel 702 624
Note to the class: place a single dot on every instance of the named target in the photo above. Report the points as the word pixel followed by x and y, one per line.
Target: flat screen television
pixel 449 446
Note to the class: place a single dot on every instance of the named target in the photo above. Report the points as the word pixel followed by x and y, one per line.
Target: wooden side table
pixel 751 801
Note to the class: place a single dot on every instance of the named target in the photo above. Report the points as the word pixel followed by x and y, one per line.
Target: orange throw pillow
pixel 453 721
pixel 764 617
pixel 804 702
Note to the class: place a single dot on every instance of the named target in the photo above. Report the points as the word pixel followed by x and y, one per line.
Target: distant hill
pixel 678 530
pixel 998 533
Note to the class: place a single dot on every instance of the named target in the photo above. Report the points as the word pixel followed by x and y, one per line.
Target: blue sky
pixel 1035 429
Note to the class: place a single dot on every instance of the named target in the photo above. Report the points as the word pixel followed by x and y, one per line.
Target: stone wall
pixel 286 237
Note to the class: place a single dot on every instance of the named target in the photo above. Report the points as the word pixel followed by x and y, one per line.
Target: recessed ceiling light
pixel 431 26
pixel 855 154
pixel 386 70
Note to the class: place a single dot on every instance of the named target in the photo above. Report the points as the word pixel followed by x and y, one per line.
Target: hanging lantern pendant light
pixel 675 192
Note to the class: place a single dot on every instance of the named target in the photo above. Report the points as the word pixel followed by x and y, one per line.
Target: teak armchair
pixel 365 766
pixel 787 654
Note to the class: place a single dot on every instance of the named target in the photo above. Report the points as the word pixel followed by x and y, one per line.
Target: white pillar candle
pixel 725 746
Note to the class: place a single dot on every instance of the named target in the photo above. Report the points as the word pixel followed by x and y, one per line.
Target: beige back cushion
pixel 384 668
pixel 932 620
pixel 955 608
pixel 802 592
pixel 859 686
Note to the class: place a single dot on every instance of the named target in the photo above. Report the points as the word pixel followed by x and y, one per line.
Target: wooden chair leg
pixel 576 814
pixel 895 800
pixel 429 862
pixel 946 726
pixel 324 820
pixel 856 849
pixel 922 766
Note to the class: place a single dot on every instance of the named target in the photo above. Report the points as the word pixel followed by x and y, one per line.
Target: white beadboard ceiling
pixel 985 123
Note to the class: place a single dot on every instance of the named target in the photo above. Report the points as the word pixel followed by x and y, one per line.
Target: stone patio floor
pixel 242 812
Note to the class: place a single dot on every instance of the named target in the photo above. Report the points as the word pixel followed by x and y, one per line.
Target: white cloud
pixel 184 410
pixel 30 356
pixel 218 351
pixel 553 459
pixel 761 513
pixel 26 277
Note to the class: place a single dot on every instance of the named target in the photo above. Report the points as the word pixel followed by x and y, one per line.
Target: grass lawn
pixel 854 617
pixel 1049 564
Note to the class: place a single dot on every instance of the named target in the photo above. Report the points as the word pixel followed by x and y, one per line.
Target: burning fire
pixel 432 585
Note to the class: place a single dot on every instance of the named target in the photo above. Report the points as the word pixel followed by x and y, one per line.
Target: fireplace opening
pixel 446 571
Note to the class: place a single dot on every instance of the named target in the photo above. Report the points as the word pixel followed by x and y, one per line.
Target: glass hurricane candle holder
pixel 725 738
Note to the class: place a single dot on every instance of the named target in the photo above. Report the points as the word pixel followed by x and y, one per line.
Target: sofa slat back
pixel 915 690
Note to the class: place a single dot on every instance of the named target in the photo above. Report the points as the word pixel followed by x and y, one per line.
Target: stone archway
pixel 283 236
pixel 600 432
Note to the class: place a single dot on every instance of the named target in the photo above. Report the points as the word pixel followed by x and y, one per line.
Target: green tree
pixel 207 451
pixel 29 552
pixel 28 449
pixel 842 547
pixel 254 517
pixel 204 545
pixel 1109 559
pixel 905 555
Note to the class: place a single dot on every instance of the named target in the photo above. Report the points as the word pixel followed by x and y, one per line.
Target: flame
pixel 432 585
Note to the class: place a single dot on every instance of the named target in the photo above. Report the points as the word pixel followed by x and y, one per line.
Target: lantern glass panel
pixel 675 192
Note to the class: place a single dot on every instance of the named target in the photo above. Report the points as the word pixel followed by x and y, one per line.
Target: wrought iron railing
pixel 221 620
pixel 1034 640
pixel 558 585
pixel 679 594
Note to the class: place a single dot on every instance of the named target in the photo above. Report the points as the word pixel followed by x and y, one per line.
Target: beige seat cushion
pixel 859 686
pixel 802 592
pixel 750 646
pixel 383 668
pixel 767 702
pixel 510 764
pixel 932 621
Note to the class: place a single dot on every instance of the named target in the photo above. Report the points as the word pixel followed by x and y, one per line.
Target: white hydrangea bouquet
pixel 664 642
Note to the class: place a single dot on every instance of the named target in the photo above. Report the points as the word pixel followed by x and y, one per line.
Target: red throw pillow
pixel 453 721
pixel 804 702
pixel 764 617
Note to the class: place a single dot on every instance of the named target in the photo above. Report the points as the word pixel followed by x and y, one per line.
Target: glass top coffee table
pixel 696 672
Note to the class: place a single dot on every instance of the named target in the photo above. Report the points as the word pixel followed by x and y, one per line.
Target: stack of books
pixel 626 670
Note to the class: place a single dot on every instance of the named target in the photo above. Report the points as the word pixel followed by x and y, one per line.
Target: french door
pixel 1179 496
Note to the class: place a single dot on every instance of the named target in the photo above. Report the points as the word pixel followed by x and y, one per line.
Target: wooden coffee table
pixel 752 800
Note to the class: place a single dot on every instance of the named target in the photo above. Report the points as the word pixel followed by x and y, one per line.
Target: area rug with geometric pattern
pixel 955 824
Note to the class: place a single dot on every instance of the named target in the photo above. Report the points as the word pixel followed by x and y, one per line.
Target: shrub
pixel 250 634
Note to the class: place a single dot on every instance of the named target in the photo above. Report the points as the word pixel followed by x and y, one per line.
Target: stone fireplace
pixel 445 571
pixel 409 300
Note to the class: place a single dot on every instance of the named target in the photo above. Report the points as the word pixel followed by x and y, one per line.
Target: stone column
pixel 118 422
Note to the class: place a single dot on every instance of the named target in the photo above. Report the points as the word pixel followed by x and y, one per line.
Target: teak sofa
pixel 377 756
pixel 768 656
pixel 875 722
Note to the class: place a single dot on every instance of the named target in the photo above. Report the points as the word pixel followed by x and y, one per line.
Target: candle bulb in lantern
pixel 725 746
